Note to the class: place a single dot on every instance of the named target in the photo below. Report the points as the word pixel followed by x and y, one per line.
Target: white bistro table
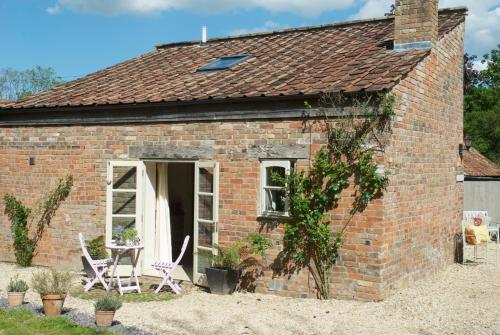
pixel 120 251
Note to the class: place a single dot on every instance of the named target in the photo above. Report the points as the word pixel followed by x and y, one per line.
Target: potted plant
pixel 97 250
pixel 52 286
pixel 16 290
pixel 227 264
pixel 224 274
pixel 130 236
pixel 105 308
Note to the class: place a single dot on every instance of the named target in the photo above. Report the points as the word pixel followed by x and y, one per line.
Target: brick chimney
pixel 416 24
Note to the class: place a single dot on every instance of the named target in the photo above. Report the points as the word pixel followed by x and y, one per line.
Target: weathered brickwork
pixel 416 21
pixel 424 203
pixel 402 237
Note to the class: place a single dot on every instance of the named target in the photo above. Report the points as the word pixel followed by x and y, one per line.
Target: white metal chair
pixel 100 266
pixel 167 268
pixel 468 217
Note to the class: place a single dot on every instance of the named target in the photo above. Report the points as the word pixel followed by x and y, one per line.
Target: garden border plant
pixel 53 287
pixel 105 308
pixel 236 262
pixel 24 219
pixel 16 291
pixel 355 130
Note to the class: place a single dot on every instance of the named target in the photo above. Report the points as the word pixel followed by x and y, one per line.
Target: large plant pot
pixel 87 268
pixel 104 318
pixel 222 281
pixel 53 304
pixel 16 298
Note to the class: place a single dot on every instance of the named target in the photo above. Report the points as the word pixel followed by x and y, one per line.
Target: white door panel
pixel 124 203
pixel 206 208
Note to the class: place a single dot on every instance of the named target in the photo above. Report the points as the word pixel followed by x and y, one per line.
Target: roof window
pixel 223 63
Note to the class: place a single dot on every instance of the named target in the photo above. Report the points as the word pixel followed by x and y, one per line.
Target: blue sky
pixel 77 37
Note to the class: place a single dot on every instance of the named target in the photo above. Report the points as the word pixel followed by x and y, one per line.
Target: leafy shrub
pixel 130 234
pixel 22 218
pixel 19 214
pixel 258 244
pixel 227 257
pixel 51 282
pixel 97 248
pixel 233 256
pixel 108 303
pixel 17 285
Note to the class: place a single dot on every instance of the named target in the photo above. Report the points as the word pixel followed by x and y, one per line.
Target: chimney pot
pixel 415 24
pixel 203 34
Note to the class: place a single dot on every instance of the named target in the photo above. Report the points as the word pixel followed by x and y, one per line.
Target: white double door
pixel 136 199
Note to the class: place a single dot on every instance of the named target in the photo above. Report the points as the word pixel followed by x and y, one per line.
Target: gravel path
pixel 459 300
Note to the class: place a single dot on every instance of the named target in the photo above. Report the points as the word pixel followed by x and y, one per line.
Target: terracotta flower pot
pixel 104 318
pixel 53 304
pixel 16 298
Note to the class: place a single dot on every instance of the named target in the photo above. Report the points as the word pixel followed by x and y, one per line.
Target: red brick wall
pixel 424 203
pixel 84 151
pixel 397 239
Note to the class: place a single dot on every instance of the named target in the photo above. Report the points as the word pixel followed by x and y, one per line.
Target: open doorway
pixel 181 195
pixel 168 216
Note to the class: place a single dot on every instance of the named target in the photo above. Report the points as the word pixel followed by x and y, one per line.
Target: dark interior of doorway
pixel 181 203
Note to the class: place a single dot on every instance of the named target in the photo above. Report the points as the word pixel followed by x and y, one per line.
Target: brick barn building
pixel 179 141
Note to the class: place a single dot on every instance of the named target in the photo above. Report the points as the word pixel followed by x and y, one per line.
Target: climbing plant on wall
pixel 355 130
pixel 28 225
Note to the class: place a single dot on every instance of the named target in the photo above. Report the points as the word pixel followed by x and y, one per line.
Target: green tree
pixel 482 108
pixel 15 84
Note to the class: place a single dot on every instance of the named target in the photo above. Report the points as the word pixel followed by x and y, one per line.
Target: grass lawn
pixel 24 322
pixel 127 297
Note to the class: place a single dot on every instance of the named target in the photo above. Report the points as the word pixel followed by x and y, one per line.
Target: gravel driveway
pixel 459 300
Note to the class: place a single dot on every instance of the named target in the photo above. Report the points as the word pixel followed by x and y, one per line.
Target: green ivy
pixel 346 161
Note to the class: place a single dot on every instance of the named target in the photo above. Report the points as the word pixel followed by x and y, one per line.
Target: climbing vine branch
pixel 355 130
pixel 25 220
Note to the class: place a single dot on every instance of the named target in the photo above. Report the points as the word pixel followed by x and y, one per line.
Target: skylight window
pixel 223 63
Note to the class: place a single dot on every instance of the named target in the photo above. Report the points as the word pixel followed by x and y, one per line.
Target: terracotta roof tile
pixel 476 165
pixel 340 57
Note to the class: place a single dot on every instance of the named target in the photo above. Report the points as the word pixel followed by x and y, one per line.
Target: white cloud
pixel 482 34
pixel 267 26
pixel 482 25
pixel 53 10
pixel 373 8
pixel 309 8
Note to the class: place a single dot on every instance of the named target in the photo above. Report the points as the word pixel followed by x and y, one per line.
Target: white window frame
pixel 139 213
pixel 264 164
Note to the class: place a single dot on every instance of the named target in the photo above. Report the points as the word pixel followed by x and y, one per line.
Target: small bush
pixel 51 282
pixel 130 234
pixel 19 214
pixel 258 244
pixel 97 248
pixel 108 303
pixel 229 257
pixel 26 221
pixel 17 285
pixel 233 255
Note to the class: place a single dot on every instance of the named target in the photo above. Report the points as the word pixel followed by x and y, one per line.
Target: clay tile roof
pixel 348 57
pixel 4 102
pixel 476 165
